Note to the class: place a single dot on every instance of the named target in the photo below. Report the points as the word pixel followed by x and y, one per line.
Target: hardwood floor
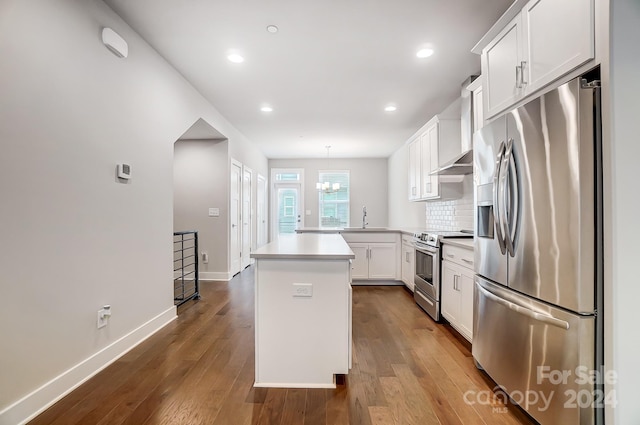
pixel 200 369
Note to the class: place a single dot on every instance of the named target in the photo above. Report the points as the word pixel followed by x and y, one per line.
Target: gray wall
pixel 403 213
pixel 622 203
pixel 368 181
pixel 74 238
pixel 200 182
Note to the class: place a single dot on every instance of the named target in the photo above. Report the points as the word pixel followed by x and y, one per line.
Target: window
pixel 289 206
pixel 293 176
pixel 334 205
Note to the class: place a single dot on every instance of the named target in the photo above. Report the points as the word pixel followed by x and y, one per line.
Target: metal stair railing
pixel 186 280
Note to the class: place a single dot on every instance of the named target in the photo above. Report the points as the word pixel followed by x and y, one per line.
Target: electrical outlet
pixel 302 290
pixel 205 257
pixel 103 316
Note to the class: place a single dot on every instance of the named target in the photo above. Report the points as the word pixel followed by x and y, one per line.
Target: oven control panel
pixel 428 239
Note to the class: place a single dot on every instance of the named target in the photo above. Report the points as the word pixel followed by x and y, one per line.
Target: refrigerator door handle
pixel 525 311
pixel 498 222
pixel 510 198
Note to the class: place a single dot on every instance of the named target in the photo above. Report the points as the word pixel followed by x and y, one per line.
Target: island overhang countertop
pixel 306 246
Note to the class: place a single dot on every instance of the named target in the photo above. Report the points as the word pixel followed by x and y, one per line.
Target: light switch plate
pixel 214 212
pixel 302 290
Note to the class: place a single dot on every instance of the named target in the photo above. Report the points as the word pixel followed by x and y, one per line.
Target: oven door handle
pixel 425 250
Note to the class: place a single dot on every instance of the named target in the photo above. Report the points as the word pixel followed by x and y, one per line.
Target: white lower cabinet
pixel 407 257
pixel 457 290
pixel 374 260
pixel 382 260
pixel 377 255
pixel 360 264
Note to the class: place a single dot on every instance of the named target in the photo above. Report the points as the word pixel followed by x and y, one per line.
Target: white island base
pixel 303 311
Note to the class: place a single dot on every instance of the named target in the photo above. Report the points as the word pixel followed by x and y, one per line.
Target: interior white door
pixel 261 211
pixel 235 210
pixel 247 216
pixel 288 209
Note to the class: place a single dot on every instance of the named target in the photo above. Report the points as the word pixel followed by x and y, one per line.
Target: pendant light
pixel 327 187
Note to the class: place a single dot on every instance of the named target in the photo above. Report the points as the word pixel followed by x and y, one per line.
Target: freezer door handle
pixel 540 317
pixel 496 200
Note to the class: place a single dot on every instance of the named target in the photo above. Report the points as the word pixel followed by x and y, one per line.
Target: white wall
pixel 73 237
pixel 200 182
pixel 402 213
pixel 368 187
pixel 622 232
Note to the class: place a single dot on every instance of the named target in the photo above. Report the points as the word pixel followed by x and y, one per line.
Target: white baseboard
pixel 290 385
pixel 206 276
pixel 42 398
pixel 215 276
pixel 377 283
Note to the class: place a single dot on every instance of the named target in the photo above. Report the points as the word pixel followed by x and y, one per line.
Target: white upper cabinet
pixel 560 37
pixel 544 41
pixel 414 169
pixel 429 146
pixel 477 109
pixel 501 66
pixel 437 142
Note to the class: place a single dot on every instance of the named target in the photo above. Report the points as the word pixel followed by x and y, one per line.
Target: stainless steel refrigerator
pixel 538 254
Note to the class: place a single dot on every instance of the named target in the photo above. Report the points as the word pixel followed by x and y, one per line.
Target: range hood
pixel 461 164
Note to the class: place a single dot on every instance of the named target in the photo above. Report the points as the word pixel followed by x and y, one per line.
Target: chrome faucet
pixel 364 217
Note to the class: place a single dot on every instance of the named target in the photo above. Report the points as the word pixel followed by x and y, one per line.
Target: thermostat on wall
pixel 124 171
pixel 115 43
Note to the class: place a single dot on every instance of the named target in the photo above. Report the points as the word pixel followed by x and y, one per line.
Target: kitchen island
pixel 302 311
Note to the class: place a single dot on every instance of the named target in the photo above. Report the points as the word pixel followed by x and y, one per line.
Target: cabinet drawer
pixel 458 255
pixel 407 240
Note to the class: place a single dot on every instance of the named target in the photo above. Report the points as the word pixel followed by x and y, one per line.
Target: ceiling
pixel 330 70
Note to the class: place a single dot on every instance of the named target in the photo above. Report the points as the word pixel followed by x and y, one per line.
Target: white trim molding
pixel 207 276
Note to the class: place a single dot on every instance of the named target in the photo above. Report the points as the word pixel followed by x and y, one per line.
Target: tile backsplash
pixel 452 215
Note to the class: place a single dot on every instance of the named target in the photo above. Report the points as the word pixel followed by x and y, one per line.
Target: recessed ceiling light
pixel 266 108
pixel 390 108
pixel 424 53
pixel 272 29
pixel 235 58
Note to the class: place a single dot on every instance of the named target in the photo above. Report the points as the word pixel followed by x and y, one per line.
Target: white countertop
pixel 306 246
pixel 406 231
pixel 320 230
pixel 461 242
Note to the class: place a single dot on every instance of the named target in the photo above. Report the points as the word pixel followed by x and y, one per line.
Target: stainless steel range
pixel 427 277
